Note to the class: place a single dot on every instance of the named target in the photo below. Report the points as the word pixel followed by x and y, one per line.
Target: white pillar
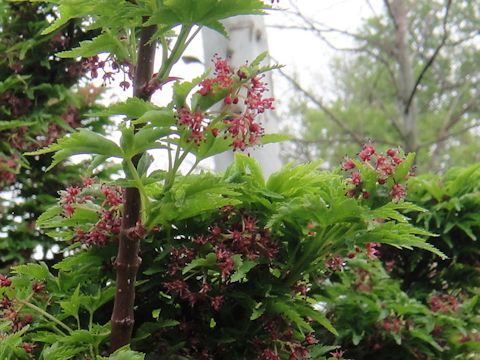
pixel 248 38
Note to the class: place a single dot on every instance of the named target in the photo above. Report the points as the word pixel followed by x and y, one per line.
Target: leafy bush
pixel 423 307
pixel 213 283
pixel 37 106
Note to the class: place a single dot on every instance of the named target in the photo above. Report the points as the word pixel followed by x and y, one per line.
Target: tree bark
pixel 405 79
pixel 128 261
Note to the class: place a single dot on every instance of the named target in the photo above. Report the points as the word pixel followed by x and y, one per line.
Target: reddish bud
pixel 391 152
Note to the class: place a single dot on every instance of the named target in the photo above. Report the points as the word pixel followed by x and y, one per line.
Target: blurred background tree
pixel 410 79
pixel 41 99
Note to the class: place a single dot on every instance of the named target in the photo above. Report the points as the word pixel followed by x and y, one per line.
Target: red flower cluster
pixel 237 233
pixel 223 78
pixel 108 197
pixel 109 68
pixel 8 312
pixel 17 105
pixel 280 331
pixel 4 281
pixel 194 122
pixel 8 169
pixel 384 166
pixel 443 303
pixel 337 354
pixel 240 126
pixel 392 324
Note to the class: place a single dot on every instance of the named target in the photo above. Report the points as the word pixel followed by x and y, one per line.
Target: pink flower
pixel 367 153
pixel 337 354
pixel 398 192
pixel 348 164
pixel 372 250
pixel 356 178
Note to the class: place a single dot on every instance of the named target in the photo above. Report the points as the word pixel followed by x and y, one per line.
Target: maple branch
pixel 127 261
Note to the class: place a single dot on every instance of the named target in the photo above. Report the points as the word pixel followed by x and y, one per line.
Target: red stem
pixel 128 261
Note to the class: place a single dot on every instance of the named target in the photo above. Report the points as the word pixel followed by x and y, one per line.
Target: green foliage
pixel 203 12
pixel 262 281
pixel 82 142
pixel 37 105
pixel 422 306
pixel 376 318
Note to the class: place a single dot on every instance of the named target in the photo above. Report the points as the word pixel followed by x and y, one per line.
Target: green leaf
pixel 36 271
pixel 82 259
pixel 318 316
pixel 164 117
pixel 81 142
pixel 124 353
pixel 146 138
pixel 291 313
pixel 419 334
pixel 202 12
pixel 7 125
pixel 209 261
pixel 402 170
pixel 133 108
pixel 389 211
pixel 59 351
pixel 67 11
pixel 191 196
pixel 70 307
pixel 182 89
pixel 10 343
pixel 242 270
pixel 48 215
pixel 104 43
pixel 126 141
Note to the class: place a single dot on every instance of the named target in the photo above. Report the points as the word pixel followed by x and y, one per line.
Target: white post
pixel 248 38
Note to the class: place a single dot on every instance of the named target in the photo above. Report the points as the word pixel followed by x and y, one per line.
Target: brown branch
pixel 390 13
pixel 127 261
pixel 450 135
pixel 327 111
pixel 431 60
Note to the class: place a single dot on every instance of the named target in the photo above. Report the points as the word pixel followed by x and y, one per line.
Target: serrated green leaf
pixel 191 196
pixel 47 215
pixel 291 313
pixel 402 170
pixel 161 118
pixel 202 12
pixel 133 108
pixel 146 138
pixel 7 125
pixel 71 306
pixel 68 11
pixel 318 316
pixel 242 270
pixel 37 271
pixel 81 142
pixel 209 261
pixel 104 43
pixel 125 353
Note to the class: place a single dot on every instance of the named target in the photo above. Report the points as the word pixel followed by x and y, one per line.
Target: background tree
pixel 40 100
pixel 410 79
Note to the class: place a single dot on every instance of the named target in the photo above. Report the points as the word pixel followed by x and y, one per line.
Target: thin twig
pixel 326 110
pixel 431 60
